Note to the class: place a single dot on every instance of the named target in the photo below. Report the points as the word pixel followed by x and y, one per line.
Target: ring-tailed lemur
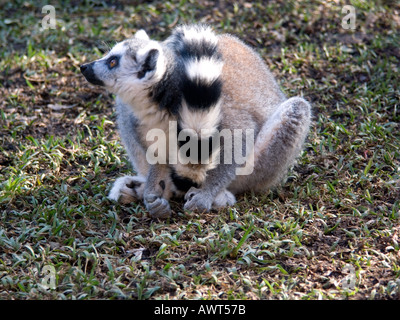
pixel 205 84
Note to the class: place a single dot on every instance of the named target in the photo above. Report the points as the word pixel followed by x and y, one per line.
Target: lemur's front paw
pixel 127 189
pixel 197 200
pixel 158 207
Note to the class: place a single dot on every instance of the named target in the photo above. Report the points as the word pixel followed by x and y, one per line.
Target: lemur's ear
pixel 141 34
pixel 149 62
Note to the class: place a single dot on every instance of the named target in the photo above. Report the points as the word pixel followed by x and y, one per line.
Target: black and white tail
pixel 197 46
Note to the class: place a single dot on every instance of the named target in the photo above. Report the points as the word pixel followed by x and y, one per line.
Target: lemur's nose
pixel 83 67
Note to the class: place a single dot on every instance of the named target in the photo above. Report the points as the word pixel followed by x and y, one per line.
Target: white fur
pixel 206 69
pixel 203 122
pixel 118 49
pixel 141 34
pixel 120 192
pixel 194 33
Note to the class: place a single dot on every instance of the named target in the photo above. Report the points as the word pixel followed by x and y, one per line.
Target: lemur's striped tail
pixel 197 45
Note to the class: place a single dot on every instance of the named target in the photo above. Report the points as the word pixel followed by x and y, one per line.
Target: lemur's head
pixel 130 66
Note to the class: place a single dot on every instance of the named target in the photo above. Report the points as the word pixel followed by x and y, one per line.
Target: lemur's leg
pixel 158 190
pixel 277 145
pixel 212 192
pixel 155 190
pixel 127 189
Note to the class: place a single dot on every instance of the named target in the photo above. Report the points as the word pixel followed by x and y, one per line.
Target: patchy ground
pixel 332 230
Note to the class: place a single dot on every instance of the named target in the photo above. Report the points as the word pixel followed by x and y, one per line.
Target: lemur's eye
pixel 113 63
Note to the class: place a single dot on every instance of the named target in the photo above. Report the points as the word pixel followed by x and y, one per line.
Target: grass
pixel 60 152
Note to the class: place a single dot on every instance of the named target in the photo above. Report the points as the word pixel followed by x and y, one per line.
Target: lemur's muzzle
pixel 88 72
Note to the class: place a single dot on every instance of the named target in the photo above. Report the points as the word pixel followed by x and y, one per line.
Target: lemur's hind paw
pixel 158 207
pixel 127 189
pixel 224 199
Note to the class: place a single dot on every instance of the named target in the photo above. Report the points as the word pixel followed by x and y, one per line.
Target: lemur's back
pixel 247 81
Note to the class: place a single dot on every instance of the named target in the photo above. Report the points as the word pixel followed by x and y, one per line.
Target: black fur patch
pixel 182 183
pixel 167 92
pixel 194 49
pixel 199 49
pixel 197 93
pixel 149 64
pixel 206 146
pixel 200 95
pixel 175 84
